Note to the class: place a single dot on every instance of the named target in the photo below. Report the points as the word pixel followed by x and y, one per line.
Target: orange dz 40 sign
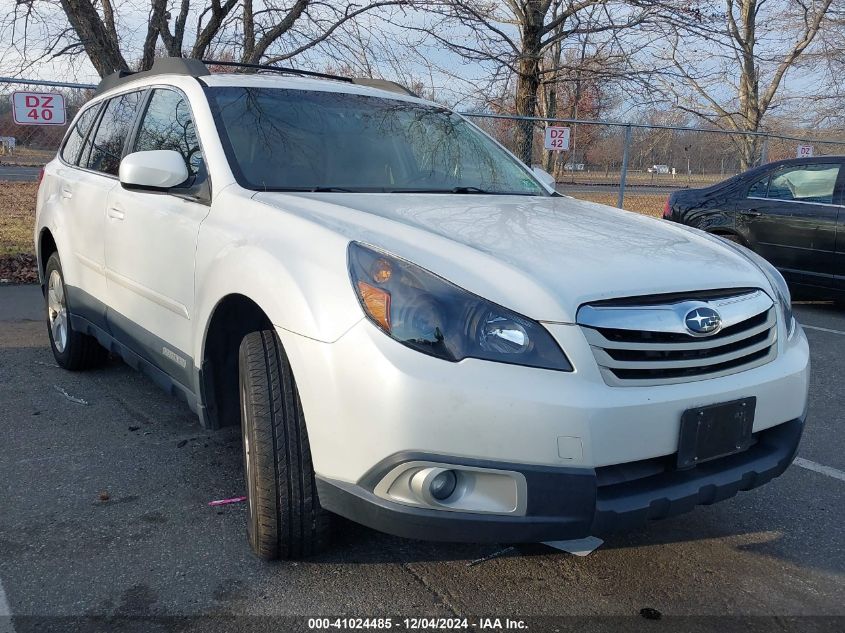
pixel 38 108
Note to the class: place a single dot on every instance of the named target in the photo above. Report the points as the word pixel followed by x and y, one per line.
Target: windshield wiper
pixel 467 190
pixel 306 189
pixel 472 190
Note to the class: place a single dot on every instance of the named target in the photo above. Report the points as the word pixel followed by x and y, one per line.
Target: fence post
pixel 764 152
pixel 624 175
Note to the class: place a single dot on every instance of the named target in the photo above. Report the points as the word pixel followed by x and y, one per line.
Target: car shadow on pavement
pixel 779 522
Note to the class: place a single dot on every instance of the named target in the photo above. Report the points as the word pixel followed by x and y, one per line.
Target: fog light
pixel 455 488
pixel 443 485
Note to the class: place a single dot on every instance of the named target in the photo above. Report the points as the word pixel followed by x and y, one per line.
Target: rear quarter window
pixel 760 188
pixel 106 147
pixel 77 134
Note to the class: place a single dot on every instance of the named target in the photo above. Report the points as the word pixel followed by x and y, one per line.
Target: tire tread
pixel 289 521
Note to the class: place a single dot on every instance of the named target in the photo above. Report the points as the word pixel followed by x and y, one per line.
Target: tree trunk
pixel 102 49
pixel 749 86
pixel 158 10
pixel 249 30
pixel 528 81
pixel 551 113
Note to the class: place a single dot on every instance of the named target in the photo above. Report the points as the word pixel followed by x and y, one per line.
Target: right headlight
pixel 776 281
pixel 434 316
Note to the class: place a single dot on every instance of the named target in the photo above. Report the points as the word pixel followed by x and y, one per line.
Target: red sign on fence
pixel 38 108
pixel 556 138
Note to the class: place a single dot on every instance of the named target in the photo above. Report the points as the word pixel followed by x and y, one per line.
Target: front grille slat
pixel 595 338
pixel 663 352
pixel 605 360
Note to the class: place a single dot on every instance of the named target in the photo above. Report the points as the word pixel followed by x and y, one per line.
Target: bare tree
pixel 728 66
pixel 514 37
pixel 830 55
pixel 577 83
pixel 249 31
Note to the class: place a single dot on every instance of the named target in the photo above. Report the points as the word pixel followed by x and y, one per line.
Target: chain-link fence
pixel 662 157
pixel 608 161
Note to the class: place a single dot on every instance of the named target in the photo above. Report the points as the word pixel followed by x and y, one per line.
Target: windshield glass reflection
pixel 299 140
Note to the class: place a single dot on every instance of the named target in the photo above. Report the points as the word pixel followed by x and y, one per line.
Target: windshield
pixel 282 140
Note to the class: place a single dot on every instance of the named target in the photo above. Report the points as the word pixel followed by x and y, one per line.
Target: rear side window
pixel 73 144
pixel 805 183
pixel 167 124
pixel 759 188
pixel 106 149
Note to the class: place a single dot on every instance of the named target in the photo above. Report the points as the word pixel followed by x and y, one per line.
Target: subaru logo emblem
pixel 703 321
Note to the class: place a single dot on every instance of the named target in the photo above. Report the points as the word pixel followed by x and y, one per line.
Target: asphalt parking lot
pixel 19 173
pixel 154 553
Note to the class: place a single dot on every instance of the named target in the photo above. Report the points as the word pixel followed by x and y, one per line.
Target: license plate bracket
pixel 715 431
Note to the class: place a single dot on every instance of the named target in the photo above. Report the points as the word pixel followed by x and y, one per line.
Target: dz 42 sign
pixel 38 108
pixel 556 138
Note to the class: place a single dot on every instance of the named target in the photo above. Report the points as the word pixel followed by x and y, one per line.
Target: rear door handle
pixel 67 194
pixel 751 213
pixel 116 214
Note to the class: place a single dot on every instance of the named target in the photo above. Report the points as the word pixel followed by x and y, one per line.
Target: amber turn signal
pixel 377 303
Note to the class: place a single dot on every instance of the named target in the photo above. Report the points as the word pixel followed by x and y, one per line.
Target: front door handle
pixel 751 213
pixel 116 214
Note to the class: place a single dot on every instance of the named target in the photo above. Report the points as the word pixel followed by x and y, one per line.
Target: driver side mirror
pixel 156 170
pixel 545 178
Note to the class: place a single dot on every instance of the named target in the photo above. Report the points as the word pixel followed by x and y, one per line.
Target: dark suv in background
pixel 791 212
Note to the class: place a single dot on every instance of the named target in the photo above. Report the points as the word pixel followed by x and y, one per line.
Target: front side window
pixel 805 183
pixel 73 144
pixel 167 124
pixel 301 140
pixel 106 149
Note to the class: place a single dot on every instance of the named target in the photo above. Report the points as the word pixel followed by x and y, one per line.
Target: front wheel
pixel 72 350
pixel 285 517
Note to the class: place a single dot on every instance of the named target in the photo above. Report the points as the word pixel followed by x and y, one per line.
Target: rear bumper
pixel 570 503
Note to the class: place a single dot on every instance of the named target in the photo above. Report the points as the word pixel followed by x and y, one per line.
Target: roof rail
pixel 384 84
pixel 162 66
pixel 199 68
pixel 279 69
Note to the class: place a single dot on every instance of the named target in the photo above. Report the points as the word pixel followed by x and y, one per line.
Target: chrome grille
pixel 648 343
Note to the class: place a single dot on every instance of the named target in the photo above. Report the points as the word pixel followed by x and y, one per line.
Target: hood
pixel 541 256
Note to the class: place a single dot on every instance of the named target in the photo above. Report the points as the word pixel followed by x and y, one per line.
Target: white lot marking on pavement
pixel 819 468
pixel 821 329
pixel 5 613
pixel 578 547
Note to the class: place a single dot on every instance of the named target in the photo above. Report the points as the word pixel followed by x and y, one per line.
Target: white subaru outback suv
pixel 410 327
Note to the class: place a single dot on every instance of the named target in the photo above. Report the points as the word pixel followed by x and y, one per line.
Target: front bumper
pixel 570 503
pixel 367 397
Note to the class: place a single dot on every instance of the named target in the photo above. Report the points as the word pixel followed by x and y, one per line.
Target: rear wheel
pixel 285 517
pixel 72 350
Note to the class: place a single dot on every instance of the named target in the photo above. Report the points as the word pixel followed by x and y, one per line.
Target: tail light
pixel 40 175
pixel 667 208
